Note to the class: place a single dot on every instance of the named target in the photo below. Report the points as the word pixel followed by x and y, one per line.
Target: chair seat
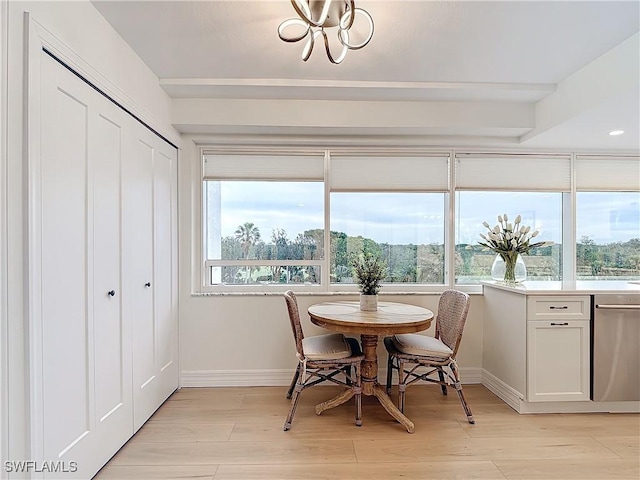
pixel 326 347
pixel 413 344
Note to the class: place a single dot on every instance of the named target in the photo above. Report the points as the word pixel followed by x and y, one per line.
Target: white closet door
pixel 138 281
pixel 83 377
pixel 165 265
pixel 112 337
pixel 149 184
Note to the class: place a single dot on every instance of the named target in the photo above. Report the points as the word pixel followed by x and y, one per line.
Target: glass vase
pixel 509 269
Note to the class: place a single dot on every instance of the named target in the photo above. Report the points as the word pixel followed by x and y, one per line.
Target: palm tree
pixel 248 235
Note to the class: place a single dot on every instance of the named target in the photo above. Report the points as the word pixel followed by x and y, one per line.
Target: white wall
pixel 90 40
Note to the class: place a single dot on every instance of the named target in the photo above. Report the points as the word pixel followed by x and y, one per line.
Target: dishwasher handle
pixel 618 307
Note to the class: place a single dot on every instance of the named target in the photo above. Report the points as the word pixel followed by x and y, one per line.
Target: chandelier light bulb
pixel 335 17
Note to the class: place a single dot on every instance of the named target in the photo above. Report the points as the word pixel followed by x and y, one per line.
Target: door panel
pixel 67 372
pixel 162 182
pixel 106 272
pixel 558 360
pixel 138 251
pixel 112 344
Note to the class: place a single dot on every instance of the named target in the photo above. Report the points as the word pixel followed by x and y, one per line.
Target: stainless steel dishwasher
pixel 616 347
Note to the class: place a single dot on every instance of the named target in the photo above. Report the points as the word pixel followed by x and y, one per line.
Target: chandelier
pixel 317 17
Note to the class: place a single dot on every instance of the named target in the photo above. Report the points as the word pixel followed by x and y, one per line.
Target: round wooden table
pixel 389 319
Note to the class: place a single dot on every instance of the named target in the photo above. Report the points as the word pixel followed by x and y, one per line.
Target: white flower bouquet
pixel 509 240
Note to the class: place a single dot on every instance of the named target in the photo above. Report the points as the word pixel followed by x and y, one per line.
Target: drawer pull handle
pixel 564 324
pixel 563 307
pixel 111 293
pixel 148 284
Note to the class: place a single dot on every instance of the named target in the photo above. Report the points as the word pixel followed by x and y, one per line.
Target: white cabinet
pixel 537 348
pixel 102 273
pixel 558 360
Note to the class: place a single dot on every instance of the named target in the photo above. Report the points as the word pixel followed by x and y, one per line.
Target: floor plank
pixel 186 432
pixel 583 469
pixel 431 470
pixel 625 446
pixel 371 451
pixel 281 452
pixel 154 472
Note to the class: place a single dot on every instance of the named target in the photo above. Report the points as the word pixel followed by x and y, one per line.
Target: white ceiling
pixel 492 52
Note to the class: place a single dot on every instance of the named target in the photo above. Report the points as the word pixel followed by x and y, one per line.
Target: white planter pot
pixel 368 303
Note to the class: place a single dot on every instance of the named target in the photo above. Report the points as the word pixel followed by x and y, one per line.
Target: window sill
pixel 319 294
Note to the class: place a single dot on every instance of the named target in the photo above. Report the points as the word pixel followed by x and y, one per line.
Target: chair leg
pixel 294 403
pixel 458 386
pixel 389 373
pixel 294 380
pixel 358 395
pixel 401 385
pixel 347 373
pixel 443 384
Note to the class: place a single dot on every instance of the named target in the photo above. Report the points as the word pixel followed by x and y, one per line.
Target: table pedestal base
pixel 370 386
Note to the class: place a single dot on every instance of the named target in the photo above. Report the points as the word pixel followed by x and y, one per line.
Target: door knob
pixel 111 293
pixel 148 284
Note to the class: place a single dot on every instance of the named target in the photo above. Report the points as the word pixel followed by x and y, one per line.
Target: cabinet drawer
pixel 549 308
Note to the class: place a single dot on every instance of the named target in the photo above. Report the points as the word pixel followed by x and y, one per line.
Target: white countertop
pixel 565 288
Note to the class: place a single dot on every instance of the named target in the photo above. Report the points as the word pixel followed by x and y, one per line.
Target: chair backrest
pixel 294 318
pixel 452 315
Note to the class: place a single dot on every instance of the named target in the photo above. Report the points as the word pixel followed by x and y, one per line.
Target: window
pixel 278 218
pixel 531 186
pixel 264 219
pixel 608 221
pixel 395 206
pixel 540 210
pixel 406 229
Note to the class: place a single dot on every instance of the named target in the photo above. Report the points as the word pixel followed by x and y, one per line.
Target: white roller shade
pixel 605 173
pixel 513 172
pixel 263 167
pixel 389 173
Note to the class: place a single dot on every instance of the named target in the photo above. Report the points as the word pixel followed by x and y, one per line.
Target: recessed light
pixel 616 132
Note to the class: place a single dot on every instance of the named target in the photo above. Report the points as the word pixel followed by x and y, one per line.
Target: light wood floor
pixel 236 433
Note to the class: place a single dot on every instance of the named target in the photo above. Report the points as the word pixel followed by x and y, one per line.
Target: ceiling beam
pixel 612 76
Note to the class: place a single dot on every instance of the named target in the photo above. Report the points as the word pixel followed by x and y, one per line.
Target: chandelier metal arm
pixel 328 50
pixel 342 32
pixel 292 21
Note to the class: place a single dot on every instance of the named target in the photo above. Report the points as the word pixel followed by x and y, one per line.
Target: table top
pixel 390 318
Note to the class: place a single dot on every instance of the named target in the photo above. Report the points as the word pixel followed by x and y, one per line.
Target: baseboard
pixel 515 400
pixel 508 394
pixel 586 406
pixel 470 375
pixel 277 378
pixel 236 378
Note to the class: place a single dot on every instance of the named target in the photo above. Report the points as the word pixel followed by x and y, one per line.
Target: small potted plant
pixel 368 270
